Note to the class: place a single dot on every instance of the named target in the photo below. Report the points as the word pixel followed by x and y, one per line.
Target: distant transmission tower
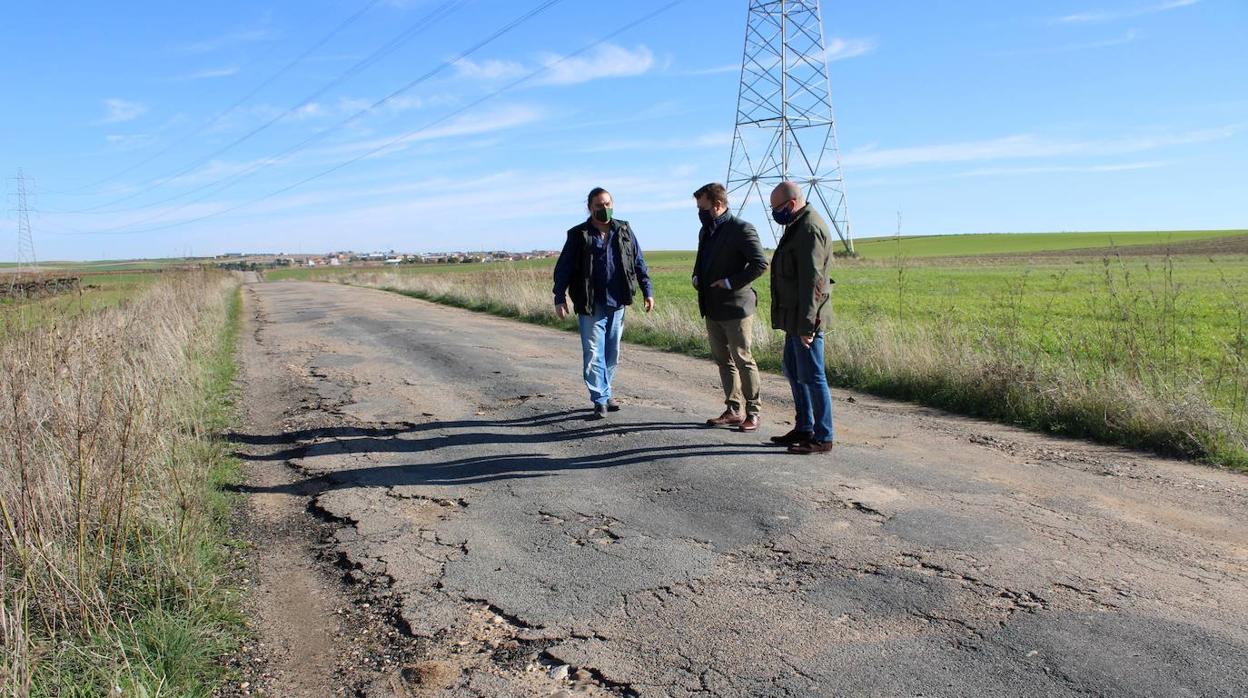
pixel 25 240
pixel 785 128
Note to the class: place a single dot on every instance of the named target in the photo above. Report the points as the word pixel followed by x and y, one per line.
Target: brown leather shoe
pixel 613 405
pixel 793 437
pixel 727 419
pixel 750 423
pixel 808 447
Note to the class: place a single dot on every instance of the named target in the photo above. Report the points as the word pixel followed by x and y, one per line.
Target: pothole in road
pixel 583 529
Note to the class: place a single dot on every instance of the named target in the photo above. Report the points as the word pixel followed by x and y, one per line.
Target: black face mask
pixel 706 217
pixel 782 215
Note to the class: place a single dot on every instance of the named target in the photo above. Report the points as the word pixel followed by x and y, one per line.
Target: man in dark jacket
pixel 801 306
pixel 601 267
pixel 729 258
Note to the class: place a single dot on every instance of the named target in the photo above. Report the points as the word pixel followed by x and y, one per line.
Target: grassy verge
pixel 115 546
pixel 1146 353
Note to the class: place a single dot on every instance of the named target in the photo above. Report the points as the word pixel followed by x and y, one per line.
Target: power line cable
pixel 409 134
pixel 231 180
pixel 241 100
pixel 439 13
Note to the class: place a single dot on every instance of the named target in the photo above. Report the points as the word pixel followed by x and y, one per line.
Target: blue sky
pixel 966 116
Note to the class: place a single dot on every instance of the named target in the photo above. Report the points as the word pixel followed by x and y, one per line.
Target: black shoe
pixel 600 412
pixel 806 448
pixel 793 437
pixel 613 405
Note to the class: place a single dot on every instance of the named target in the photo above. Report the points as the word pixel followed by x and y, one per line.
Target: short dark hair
pixel 713 191
pixel 589 200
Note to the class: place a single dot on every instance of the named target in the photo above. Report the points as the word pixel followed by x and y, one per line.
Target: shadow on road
pixel 346 440
pixel 294 437
pixel 477 469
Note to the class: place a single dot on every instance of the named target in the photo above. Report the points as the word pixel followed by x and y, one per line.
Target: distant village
pixel 391 258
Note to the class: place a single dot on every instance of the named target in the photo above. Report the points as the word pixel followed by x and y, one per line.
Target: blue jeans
pixel 600 350
pixel 809 383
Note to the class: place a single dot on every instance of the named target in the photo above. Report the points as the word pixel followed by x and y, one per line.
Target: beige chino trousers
pixel 731 342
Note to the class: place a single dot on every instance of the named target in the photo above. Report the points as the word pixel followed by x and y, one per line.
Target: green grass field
pixel 109 265
pixel 1128 348
pixel 1022 243
pixel 1192 310
pixel 98 291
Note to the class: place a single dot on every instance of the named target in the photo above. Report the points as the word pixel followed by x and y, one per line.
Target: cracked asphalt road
pixel 929 555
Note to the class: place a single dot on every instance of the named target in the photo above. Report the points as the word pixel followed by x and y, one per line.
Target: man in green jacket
pixel 801 306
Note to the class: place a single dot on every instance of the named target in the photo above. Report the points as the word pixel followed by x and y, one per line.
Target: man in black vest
pixel 601 267
pixel 729 258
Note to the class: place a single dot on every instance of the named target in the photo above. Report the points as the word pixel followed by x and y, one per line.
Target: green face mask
pixel 604 214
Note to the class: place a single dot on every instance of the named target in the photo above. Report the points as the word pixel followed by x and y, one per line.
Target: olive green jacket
pixel 801 291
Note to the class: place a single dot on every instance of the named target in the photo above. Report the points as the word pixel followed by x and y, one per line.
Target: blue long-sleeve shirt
pixel 607 276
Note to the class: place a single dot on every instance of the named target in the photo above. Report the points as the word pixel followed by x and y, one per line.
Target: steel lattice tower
pixel 25 239
pixel 785 129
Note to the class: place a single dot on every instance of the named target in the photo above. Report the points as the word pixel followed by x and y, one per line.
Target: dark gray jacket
pixel 732 253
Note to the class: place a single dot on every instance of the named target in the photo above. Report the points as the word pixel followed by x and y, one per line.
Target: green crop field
pixel 1149 350
pixel 97 290
pixel 110 265
pixel 1194 307
pixel 1022 243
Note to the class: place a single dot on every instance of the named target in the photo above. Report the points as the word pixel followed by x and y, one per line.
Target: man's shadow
pixel 478 469
pixel 481 469
pixel 294 437
pixel 350 440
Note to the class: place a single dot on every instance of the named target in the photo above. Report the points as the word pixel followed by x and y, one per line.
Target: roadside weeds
pixel 117 561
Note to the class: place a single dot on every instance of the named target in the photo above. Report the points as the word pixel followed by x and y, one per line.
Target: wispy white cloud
pixel 1026 147
pixel 1062 169
pixel 216 43
pixel 209 73
pixel 215 170
pixel 311 110
pixel 841 49
pixel 1129 36
pixel 490 69
pixel 120 110
pixel 605 61
pixel 716 70
pixel 837 49
pixel 350 106
pixel 128 141
pixel 1095 16
pixel 468 125
pixel 715 139
pixel 333 58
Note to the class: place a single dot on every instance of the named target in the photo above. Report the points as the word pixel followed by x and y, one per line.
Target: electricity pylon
pixel 25 240
pixel 785 129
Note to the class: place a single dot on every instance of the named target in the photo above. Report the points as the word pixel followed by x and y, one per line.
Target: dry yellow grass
pixel 98 499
